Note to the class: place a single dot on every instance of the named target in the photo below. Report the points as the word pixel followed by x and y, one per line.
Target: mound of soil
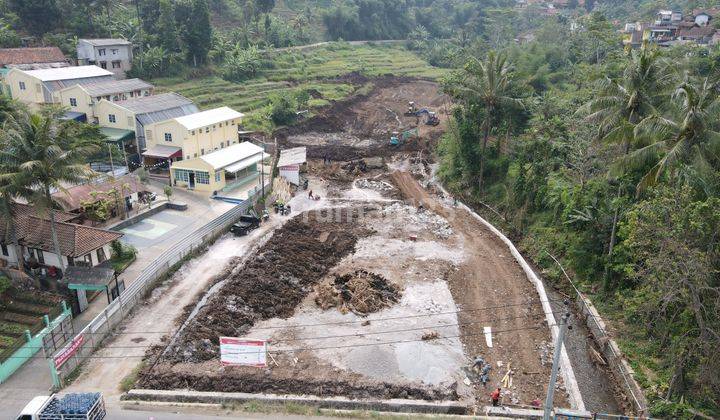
pixel 257 381
pixel 361 293
pixel 271 284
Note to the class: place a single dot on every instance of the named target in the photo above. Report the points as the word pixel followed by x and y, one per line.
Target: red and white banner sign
pixel 243 352
pixel 68 351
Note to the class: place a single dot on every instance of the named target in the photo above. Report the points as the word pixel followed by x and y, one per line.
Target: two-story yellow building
pixel 83 98
pixel 195 134
pixel 39 87
pixel 135 114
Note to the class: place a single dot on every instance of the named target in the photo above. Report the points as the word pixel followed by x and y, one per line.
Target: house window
pixel 116 64
pixel 188 157
pixel 4 250
pixel 194 154
pixel 207 129
pixel 202 152
pixel 202 177
pixel 228 143
pixel 114 51
pixel 22 85
pixel 217 176
pixel 103 64
pixel 101 51
pixel 116 98
pixel 86 261
pixel 182 175
pixel 73 101
pixel 129 122
pixel 168 136
pixel 192 133
pixel 101 255
pixel 111 118
pixel 222 145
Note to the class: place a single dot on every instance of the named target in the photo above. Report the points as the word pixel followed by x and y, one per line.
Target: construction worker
pixel 495 396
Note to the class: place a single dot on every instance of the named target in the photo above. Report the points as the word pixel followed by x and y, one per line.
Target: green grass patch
pixel 120 263
pixel 128 382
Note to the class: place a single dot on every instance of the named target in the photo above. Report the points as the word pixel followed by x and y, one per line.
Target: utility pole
pixel 556 360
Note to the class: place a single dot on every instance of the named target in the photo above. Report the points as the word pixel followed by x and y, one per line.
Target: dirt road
pixel 491 277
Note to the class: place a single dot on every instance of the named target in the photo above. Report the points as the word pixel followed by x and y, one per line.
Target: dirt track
pixel 492 277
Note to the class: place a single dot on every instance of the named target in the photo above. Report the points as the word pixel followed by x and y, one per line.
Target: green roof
pixel 116 135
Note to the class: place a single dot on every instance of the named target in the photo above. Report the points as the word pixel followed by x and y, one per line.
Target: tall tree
pixel 149 11
pixel 11 187
pixel 485 87
pixel 167 32
pixel 48 153
pixel 193 19
pixel 620 104
pixel 688 137
pixel 39 16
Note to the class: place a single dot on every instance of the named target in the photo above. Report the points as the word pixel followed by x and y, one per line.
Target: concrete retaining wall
pixel 142 216
pixel 621 370
pixel 393 405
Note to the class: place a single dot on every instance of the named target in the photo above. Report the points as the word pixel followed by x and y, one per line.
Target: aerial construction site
pixel 380 286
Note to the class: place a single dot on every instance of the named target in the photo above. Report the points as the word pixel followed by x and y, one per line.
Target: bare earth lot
pixel 380 289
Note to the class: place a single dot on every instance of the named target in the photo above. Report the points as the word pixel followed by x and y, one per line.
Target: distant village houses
pixel 112 54
pixel 671 27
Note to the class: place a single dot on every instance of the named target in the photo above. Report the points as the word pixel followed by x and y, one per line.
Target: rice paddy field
pixel 320 69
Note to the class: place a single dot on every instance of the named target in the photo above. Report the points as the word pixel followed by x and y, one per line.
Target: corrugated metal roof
pixel 161 151
pixel 101 42
pixel 233 154
pixel 110 87
pixel 166 114
pixel 292 156
pixel 68 73
pixel 155 103
pixel 209 117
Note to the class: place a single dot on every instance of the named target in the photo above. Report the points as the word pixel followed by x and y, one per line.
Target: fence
pixel 623 373
pixel 90 337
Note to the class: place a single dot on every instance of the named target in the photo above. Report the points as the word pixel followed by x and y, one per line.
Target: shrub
pixel 4 284
pixel 283 109
pixel 242 64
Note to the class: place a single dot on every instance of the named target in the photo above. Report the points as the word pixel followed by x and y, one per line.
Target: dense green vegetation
pixel 612 164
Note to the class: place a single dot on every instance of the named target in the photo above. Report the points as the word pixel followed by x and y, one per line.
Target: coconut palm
pixel 686 138
pixel 486 84
pixel 621 104
pixel 41 154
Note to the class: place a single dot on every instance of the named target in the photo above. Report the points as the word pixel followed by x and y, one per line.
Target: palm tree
pixel 45 154
pixel 622 104
pixel 687 139
pixel 487 84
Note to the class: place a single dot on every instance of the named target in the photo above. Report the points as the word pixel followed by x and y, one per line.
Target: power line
pixel 322 324
pixel 291 350
pixel 359 334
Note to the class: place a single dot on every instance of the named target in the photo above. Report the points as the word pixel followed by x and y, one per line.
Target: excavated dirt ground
pixel 362 126
pixel 443 262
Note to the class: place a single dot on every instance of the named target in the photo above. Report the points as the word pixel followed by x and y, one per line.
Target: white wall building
pixel 113 54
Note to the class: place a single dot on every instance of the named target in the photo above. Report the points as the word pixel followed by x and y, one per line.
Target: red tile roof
pixel 74 240
pixel 31 55
pixel 33 230
pixel 72 198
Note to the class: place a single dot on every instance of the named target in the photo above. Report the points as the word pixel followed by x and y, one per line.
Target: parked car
pixel 246 224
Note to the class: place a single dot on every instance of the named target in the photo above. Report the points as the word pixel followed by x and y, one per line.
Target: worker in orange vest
pixel 495 396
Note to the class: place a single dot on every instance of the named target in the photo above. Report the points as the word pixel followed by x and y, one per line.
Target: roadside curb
pixel 391 405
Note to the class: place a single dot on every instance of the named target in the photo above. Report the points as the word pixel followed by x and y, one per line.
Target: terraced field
pixel 294 71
